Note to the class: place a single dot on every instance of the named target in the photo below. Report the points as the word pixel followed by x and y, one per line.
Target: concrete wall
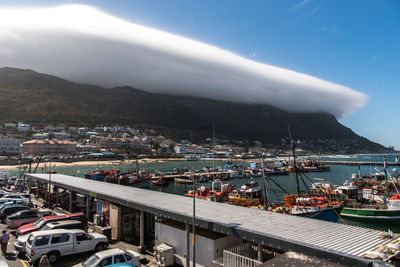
pixel 207 249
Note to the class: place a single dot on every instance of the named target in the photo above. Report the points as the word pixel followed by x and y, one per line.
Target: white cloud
pixel 84 44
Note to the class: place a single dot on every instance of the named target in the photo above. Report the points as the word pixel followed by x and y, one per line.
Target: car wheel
pixel 53 257
pixel 100 247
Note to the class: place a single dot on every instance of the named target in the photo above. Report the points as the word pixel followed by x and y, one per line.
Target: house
pixel 23 127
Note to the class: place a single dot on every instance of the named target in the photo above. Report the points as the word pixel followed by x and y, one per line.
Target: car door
pixel 82 242
pixel 63 243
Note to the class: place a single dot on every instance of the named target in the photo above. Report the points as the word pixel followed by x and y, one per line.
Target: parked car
pixel 19 245
pixel 24 197
pixel 26 216
pixel 12 202
pixel 61 242
pixel 6 199
pixel 12 180
pixel 7 211
pixel 40 223
pixel 110 257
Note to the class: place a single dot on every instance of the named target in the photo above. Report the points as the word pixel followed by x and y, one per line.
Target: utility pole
pixel 194 223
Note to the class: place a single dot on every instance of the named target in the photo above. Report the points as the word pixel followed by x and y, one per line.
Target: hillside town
pixel 67 143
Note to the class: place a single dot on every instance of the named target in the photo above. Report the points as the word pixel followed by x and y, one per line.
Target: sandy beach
pixel 92 162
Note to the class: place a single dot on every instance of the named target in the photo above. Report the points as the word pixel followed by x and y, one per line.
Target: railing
pixel 244 255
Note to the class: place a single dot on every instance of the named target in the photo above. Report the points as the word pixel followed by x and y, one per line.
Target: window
pixel 119 258
pixel 105 262
pixel 42 240
pixel 30 239
pixel 128 257
pixel 82 237
pixel 60 238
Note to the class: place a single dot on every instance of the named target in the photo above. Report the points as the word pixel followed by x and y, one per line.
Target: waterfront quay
pixel 148 218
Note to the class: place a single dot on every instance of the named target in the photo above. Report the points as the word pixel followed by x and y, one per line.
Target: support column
pixel 187 226
pixel 70 201
pixel 141 242
pixel 57 195
pixel 29 185
pixel 260 253
pixel 87 207
pixel 46 192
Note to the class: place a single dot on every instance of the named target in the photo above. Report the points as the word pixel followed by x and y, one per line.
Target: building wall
pixel 207 249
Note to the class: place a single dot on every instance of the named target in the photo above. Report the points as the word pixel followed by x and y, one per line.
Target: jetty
pixel 339 243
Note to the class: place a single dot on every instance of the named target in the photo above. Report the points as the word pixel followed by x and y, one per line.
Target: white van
pixel 61 242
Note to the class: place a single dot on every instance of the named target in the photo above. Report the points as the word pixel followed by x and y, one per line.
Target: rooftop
pixel 342 243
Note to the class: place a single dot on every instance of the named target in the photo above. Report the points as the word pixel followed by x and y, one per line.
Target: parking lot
pixel 19 260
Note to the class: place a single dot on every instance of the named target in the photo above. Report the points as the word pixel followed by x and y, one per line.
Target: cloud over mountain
pixel 84 44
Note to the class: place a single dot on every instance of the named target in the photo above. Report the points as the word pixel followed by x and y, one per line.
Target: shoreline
pixel 95 162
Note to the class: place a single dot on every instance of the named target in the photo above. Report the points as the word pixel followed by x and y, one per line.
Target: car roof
pixel 15 206
pixel 109 252
pixel 121 264
pixel 66 222
pixel 57 231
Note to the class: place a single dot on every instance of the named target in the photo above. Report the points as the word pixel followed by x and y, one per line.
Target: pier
pixel 359 163
pixel 337 242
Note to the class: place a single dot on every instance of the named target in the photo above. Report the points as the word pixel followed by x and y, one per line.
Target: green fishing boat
pixel 386 212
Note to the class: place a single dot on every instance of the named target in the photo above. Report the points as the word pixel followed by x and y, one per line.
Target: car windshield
pixel 2 206
pixel 46 228
pixel 38 223
pixel 91 261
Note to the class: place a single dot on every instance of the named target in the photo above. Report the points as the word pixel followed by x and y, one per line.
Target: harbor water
pixel 338 174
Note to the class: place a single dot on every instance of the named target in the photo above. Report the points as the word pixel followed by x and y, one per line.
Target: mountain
pixel 29 96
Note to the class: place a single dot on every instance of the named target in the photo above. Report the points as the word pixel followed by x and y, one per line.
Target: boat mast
pixel 266 199
pixel 294 162
pixel 213 147
pixel 386 183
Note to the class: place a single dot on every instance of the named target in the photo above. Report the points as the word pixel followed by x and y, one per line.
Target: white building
pixel 10 146
pixel 22 127
pixel 179 150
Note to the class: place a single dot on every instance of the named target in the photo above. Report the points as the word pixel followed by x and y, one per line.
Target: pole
pixel 187 226
pixel 49 186
pixel 266 200
pixel 194 224
pixel 295 169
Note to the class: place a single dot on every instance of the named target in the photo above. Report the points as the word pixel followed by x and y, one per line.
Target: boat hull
pixel 327 214
pixel 374 216
pixel 142 184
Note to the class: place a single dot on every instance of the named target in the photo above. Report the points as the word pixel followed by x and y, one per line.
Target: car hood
pixel 23 238
pixel 98 236
pixel 26 228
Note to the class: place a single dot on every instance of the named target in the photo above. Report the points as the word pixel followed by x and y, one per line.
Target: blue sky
pixel 353 43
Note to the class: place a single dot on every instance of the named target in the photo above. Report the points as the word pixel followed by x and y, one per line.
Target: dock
pixel 360 163
pixel 337 242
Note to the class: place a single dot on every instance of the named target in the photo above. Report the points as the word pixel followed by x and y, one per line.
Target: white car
pixel 22 197
pixel 111 256
pixel 61 242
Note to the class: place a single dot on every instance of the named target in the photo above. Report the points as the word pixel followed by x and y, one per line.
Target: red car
pixel 38 224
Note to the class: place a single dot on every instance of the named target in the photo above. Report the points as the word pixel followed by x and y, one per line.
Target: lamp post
pixel 194 223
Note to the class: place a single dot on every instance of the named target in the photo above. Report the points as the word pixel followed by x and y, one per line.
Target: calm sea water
pixel 338 174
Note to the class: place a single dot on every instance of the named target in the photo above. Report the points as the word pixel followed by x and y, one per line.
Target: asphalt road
pixel 20 260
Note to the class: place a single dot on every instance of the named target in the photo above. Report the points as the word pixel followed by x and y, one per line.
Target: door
pixel 83 243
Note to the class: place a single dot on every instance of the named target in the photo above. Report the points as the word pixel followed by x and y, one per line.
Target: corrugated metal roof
pixel 250 224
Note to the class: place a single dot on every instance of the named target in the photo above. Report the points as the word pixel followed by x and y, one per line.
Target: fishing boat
pixel 219 191
pixel 376 206
pixel 304 204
